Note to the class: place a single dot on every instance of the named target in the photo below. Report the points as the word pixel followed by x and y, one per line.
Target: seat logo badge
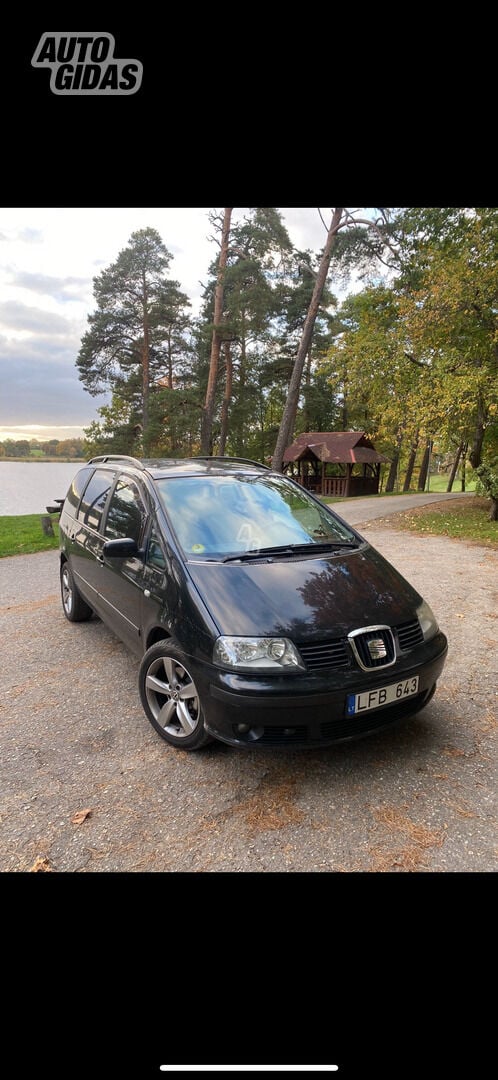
pixel 377 649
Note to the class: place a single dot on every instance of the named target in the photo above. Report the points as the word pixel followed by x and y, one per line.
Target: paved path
pixel 356 510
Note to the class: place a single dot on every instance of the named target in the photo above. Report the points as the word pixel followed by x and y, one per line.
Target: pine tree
pixel 134 330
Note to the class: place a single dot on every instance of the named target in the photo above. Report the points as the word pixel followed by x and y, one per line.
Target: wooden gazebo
pixel 335 463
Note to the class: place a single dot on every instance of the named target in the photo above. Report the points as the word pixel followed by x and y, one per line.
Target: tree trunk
pixel 424 468
pixel 454 468
pixel 262 418
pixel 307 383
pixel 411 464
pixel 145 363
pixel 240 440
pixel 227 396
pixel 493 510
pixel 476 450
pixel 170 361
pixel 393 471
pixel 289 416
pixel 208 410
pixel 464 462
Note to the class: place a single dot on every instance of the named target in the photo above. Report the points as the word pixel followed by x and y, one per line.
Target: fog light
pixel 242 729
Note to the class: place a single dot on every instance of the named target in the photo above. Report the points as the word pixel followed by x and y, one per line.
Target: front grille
pixel 365 652
pixel 409 635
pixel 324 654
pixel 278 736
pixel 335 653
pixel 369 721
pixel 343 727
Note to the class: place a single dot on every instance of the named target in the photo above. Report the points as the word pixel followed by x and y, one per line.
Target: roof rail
pixel 241 460
pixel 139 464
pixel 117 457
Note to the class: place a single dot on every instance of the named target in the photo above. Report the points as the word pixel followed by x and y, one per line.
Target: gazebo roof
pixel 339 447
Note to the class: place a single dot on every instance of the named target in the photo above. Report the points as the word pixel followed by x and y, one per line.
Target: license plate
pixel 382 695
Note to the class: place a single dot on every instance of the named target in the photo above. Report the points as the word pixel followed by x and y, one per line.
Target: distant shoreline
pixel 45 460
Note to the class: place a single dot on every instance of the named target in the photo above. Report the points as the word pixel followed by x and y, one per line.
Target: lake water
pixel 26 487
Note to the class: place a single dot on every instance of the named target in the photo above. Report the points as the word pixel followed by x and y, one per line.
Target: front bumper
pixel 310 710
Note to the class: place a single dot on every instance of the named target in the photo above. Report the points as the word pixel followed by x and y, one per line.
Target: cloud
pixel 30 236
pixel 40 384
pixel 38 378
pixel 26 235
pixel 69 288
pixel 19 316
pixel 41 431
pixel 305 227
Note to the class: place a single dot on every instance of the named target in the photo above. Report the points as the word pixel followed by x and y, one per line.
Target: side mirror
pixel 121 549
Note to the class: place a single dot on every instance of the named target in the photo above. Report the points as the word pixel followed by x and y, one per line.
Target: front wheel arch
pixel 157 634
pixel 170 697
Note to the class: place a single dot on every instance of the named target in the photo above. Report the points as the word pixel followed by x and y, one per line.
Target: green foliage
pixel 138 333
pixel 488 482
pixel 488 478
pixel 118 431
pixel 41 449
pixel 259 257
pixel 451 318
pixel 410 357
pixel 417 357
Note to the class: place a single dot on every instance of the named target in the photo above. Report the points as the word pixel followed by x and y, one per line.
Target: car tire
pixel 170 697
pixel 75 608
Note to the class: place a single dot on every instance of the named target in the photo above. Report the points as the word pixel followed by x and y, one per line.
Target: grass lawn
pixel 465 520
pixel 23 534
pixel 439 482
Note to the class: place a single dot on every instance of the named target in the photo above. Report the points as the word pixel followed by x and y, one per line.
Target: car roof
pixel 201 466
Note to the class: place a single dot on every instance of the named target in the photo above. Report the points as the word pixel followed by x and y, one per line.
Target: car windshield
pixel 217 516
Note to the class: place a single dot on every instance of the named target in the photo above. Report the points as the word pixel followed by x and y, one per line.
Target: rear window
pixel 78 486
pixel 95 497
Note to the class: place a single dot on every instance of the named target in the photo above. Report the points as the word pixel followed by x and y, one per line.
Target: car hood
pixel 302 597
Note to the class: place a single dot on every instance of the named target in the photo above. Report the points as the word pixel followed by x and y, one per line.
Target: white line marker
pixel 249 1068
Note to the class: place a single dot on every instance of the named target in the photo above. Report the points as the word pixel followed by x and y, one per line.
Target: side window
pixel 126 513
pixel 95 497
pixel 78 486
pixel 155 556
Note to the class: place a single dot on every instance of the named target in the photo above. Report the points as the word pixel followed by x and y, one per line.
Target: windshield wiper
pixel 255 553
pixel 325 545
pixel 290 549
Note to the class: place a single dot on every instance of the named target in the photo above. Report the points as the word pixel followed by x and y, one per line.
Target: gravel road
pixel 74 738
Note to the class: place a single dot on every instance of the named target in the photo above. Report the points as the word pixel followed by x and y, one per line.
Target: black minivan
pixel 261 617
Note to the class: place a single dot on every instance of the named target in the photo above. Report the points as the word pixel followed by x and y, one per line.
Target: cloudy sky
pixel 48 259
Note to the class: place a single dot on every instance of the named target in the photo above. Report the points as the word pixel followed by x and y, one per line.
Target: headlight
pixel 256 654
pixel 427 621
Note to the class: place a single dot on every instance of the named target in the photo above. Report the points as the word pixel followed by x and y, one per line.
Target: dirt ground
pixel 87 786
